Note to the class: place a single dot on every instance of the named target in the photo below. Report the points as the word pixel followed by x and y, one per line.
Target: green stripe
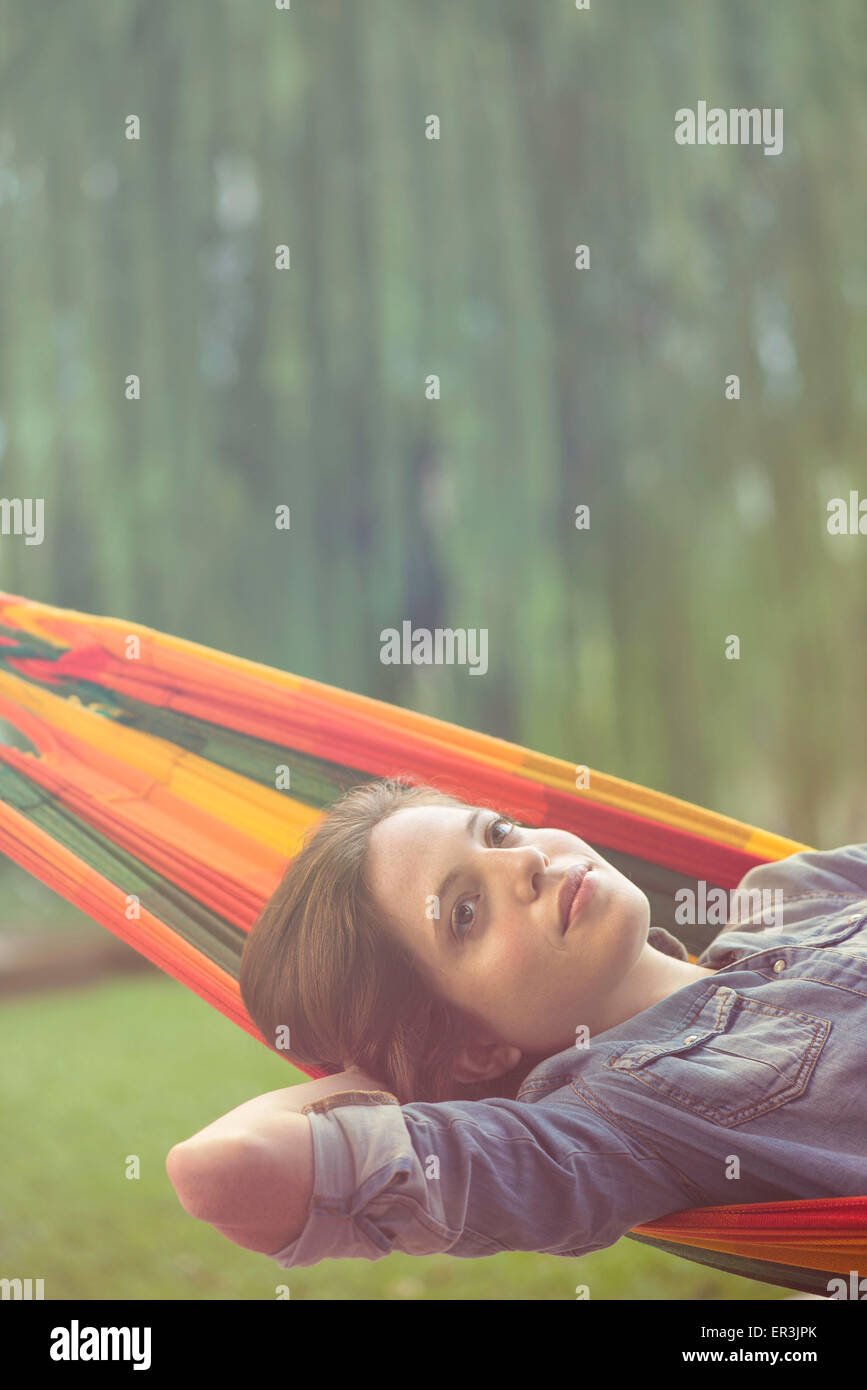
pixel 784 1276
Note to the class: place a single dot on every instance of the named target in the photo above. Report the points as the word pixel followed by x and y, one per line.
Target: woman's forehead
pixel 413 840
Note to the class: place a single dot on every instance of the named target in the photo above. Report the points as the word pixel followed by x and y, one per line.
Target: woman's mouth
pixel 575 892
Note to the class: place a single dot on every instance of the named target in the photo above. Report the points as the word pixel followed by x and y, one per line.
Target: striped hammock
pixel 149 802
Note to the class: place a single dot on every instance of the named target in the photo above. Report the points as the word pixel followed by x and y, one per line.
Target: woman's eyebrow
pixel 450 877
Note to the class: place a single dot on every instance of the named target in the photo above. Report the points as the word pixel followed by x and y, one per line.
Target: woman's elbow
pixel 205 1174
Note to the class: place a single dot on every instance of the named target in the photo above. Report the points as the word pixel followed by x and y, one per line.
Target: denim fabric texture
pixel 748 1085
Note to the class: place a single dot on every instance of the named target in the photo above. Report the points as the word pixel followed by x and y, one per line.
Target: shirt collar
pixel 663 940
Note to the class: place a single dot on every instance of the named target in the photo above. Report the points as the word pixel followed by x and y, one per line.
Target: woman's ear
pixel 484 1061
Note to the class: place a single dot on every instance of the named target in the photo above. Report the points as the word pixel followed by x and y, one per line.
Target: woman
pixel 522 1062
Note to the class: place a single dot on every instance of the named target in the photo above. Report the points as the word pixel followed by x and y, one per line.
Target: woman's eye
pixel 464 915
pixel 494 832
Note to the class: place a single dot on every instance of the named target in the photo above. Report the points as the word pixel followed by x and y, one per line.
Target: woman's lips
pixel 569 891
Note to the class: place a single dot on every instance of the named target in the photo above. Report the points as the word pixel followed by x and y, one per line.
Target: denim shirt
pixel 748 1085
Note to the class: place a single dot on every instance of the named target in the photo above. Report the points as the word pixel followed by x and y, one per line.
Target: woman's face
pixel 485 906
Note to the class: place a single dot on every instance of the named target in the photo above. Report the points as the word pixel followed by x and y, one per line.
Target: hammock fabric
pixel 149 802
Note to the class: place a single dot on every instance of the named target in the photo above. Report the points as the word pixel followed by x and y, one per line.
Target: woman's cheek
pixel 510 960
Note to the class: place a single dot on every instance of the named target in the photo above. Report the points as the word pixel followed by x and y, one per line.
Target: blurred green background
pixel 306 387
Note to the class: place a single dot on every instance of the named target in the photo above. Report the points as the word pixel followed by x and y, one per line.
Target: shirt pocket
pixel 735 1057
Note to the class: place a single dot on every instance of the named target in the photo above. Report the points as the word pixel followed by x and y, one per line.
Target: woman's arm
pixel 359 1177
pixel 468 1178
pixel 254 1187
pixel 250 1173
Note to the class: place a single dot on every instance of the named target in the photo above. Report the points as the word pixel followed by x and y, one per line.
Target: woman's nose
pixel 529 864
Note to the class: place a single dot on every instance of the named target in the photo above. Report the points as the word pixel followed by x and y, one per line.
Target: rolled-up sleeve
pixel 473 1178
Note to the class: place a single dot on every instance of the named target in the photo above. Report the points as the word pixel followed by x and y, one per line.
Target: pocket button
pixel 693 1037
pixel 778 966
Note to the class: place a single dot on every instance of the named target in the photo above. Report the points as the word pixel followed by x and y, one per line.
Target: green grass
pixel 91 1076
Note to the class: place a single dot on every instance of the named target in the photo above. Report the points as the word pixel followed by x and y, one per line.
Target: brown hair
pixel 324 959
